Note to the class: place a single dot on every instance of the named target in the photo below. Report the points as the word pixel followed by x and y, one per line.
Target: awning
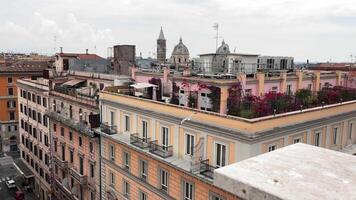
pixel 73 82
pixel 143 85
pixel 23 168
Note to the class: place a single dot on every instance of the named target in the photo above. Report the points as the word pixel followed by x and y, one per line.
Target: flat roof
pixel 297 171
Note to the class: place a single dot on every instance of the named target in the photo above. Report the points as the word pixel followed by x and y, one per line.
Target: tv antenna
pixel 216 27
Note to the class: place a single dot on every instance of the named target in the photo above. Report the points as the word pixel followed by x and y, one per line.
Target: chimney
pixel 86 51
pixel 61 49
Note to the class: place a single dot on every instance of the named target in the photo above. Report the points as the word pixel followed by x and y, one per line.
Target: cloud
pixel 314 29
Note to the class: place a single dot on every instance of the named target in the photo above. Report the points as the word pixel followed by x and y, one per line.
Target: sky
pixel 318 30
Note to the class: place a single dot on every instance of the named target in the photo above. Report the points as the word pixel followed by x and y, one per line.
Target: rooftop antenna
pixel 55 44
pixel 216 27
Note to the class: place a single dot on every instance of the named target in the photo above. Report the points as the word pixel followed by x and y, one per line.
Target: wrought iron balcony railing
pixel 206 169
pixel 108 129
pixel 139 142
pixel 162 151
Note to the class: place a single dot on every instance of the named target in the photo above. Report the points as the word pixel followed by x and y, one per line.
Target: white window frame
pixel 190 151
pixel 144 131
pixel 126 188
pixel 190 188
pixel 127 161
pixel 226 154
pixel 163 179
pixel 143 173
pixel 351 127
pixel 112 178
pixel 112 152
pixel 127 123
pixel 165 143
pixel 335 135
pixel 319 138
pixel 143 195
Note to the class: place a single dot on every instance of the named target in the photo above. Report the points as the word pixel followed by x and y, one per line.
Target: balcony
pixel 139 142
pixel 108 129
pixel 82 179
pixel 61 192
pixel 161 151
pixel 79 126
pixel 206 169
pixel 61 163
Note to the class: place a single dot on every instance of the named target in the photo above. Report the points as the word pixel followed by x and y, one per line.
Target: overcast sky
pixel 320 30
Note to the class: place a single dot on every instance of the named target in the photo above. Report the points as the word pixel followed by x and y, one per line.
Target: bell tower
pixel 161 47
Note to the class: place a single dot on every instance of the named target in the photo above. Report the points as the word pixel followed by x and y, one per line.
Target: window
pixel 71 155
pixel 220 155
pixel 335 136
pixel 309 86
pixel 317 139
pixel 10 91
pixel 289 89
pixel 270 63
pixel 62 131
pixel 45 121
pixel 165 138
pixel 143 170
pixel 80 141
pixel 112 153
pixel 54 127
pixel 274 89
pixel 91 147
pixel 12 104
pixel 9 80
pixel 296 140
pixel 188 190
pixel 92 171
pixel 350 130
pixel 33 97
pixel 143 195
pixel 189 140
pixel 112 178
pixel 81 165
pixel 29 96
pixel 272 147
pixel 214 196
pixel 248 92
pixel 127 123
pixel 55 145
pixel 63 153
pixel 112 118
pixel 144 131
pixel 39 118
pixel 70 135
pixel 12 115
pixel 39 100
pixel 126 160
pixel 21 108
pixel 126 188
pixel 46 140
pixel 163 180
pixel 44 102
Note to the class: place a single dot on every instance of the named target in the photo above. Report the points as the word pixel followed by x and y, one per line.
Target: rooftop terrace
pixel 297 171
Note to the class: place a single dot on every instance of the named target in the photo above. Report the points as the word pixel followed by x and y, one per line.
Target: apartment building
pixel 155 150
pixel 34 135
pixel 186 85
pixel 73 113
pixel 9 134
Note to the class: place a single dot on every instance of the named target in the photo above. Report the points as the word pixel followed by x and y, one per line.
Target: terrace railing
pixel 139 142
pixel 206 169
pixel 108 129
pixel 159 150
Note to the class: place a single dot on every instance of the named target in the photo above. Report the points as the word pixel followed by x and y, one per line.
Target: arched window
pixel 179 60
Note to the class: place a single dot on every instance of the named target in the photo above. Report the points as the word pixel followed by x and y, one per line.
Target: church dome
pixel 223 49
pixel 180 49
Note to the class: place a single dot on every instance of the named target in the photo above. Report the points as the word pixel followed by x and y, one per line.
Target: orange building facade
pixel 9 133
